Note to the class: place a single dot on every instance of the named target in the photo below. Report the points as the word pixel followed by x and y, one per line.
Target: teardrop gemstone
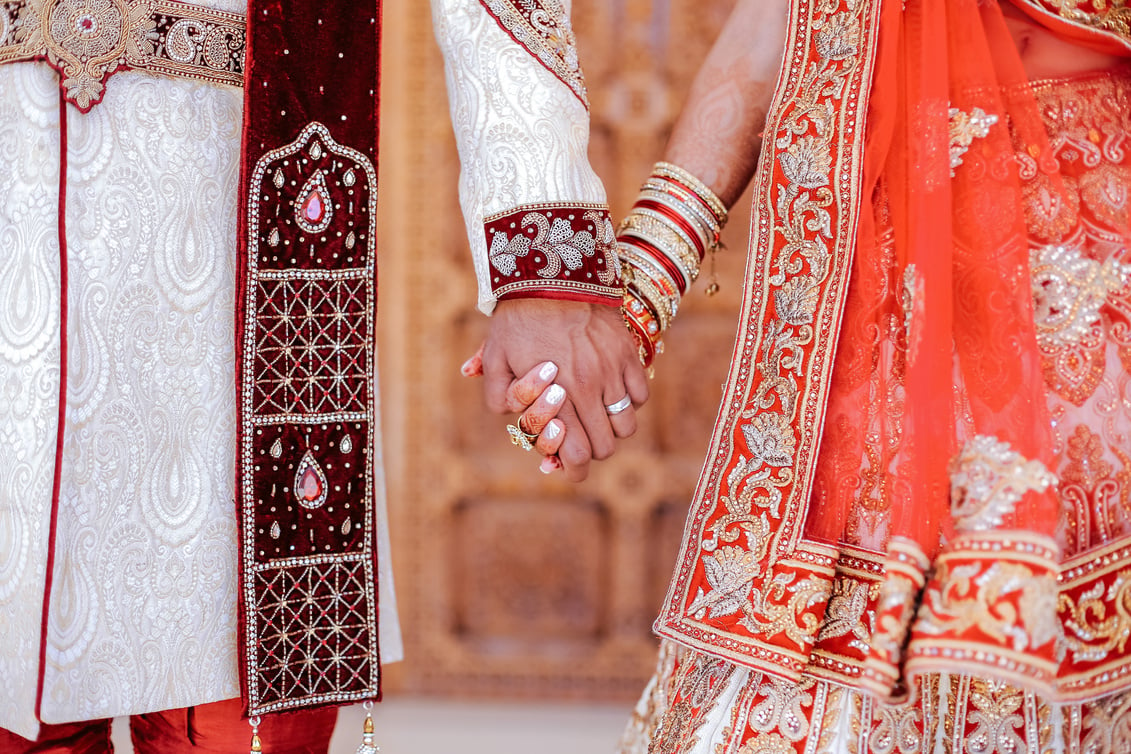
pixel 313 209
pixel 310 483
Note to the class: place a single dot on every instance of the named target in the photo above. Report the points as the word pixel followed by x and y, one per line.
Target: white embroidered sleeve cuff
pixel 536 214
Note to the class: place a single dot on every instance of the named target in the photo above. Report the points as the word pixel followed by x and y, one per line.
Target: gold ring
pixel 621 405
pixel 522 439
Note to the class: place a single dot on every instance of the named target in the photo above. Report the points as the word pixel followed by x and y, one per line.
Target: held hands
pixel 599 379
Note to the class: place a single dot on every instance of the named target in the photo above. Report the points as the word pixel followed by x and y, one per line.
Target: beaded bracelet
pixel 676 221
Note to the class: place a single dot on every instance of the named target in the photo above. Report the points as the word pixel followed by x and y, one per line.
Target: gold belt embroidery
pixel 87 41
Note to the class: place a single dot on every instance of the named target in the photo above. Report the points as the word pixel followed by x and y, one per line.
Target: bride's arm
pixel 717 136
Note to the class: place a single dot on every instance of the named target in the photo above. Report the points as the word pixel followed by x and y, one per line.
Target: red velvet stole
pixel 305 314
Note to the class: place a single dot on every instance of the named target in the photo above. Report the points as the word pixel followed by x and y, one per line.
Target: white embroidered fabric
pixel 143 606
pixel 29 372
pixel 522 134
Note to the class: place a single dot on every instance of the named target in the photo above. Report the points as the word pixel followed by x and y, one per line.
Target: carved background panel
pixel 510 582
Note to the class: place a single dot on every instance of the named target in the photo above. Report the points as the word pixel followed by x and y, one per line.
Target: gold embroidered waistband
pixel 87 41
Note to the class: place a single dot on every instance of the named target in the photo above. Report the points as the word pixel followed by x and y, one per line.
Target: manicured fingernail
pixel 555 395
pixel 467 370
pixel 549 465
pixel 552 430
pixel 548 370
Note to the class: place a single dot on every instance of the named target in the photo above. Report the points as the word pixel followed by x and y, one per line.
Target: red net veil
pixel 938 394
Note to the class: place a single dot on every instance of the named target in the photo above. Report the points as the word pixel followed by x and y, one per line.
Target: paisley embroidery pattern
pixel 543 28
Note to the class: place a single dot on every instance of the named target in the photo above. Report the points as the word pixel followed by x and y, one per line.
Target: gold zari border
pixel 88 43
pixel 746 522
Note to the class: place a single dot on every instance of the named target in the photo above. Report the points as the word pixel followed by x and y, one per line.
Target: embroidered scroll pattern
pixel 1110 16
pixel 751 499
pixel 953 713
pixel 569 248
pixel 307 424
pixel 87 41
pixel 543 28
pixel 988 479
pixel 1076 217
pixel 964 128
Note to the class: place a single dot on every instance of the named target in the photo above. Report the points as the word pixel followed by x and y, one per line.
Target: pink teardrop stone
pixel 313 209
pixel 310 486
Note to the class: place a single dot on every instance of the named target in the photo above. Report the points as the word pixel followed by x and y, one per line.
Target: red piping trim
pixel 62 422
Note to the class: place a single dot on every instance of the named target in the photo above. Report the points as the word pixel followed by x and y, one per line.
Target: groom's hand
pixel 597 365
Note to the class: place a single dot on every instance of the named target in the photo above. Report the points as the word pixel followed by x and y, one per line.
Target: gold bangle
pixel 685 202
pixel 708 197
pixel 666 240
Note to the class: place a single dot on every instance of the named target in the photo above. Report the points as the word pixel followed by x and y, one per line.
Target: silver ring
pixel 621 405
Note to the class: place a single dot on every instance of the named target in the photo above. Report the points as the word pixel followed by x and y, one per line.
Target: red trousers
pixel 216 728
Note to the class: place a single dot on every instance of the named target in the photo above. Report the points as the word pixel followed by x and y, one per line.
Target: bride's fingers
pixel 551 438
pixel 473 367
pixel 529 388
pixel 536 418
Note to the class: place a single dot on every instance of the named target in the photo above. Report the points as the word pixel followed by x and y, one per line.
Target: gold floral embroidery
pixel 756 487
pixel 897 730
pixel 768 744
pixel 997 717
pixel 848 612
pixel 1106 191
pixel 1052 206
pixel 1102 15
pixel 964 128
pixel 1107 725
pixel 783 709
pixel 780 607
pixel 699 681
pixel 543 28
pixel 1068 291
pixel 912 301
pixel 88 40
pixel 987 479
pixel 1008 601
pixel 1099 493
pixel 729 571
pixel 1090 631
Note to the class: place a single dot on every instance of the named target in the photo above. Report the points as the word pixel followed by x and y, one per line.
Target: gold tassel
pixel 367 746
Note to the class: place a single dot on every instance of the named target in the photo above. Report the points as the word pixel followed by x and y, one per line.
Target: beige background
pixel 512 584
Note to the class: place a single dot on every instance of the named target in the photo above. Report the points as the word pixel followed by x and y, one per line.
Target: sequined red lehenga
pixel 913 527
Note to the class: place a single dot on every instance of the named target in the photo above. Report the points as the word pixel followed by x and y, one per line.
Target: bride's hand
pixel 537 399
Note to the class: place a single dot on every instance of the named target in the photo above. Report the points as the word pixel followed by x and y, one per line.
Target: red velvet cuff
pixel 554 250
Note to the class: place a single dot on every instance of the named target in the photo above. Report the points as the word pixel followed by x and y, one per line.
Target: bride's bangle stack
pixel 674 223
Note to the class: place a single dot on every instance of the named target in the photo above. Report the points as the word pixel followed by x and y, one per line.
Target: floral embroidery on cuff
pixel 554 250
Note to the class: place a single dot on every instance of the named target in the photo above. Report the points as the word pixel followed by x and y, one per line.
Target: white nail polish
pixel 552 430
pixel 548 370
pixel 555 395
